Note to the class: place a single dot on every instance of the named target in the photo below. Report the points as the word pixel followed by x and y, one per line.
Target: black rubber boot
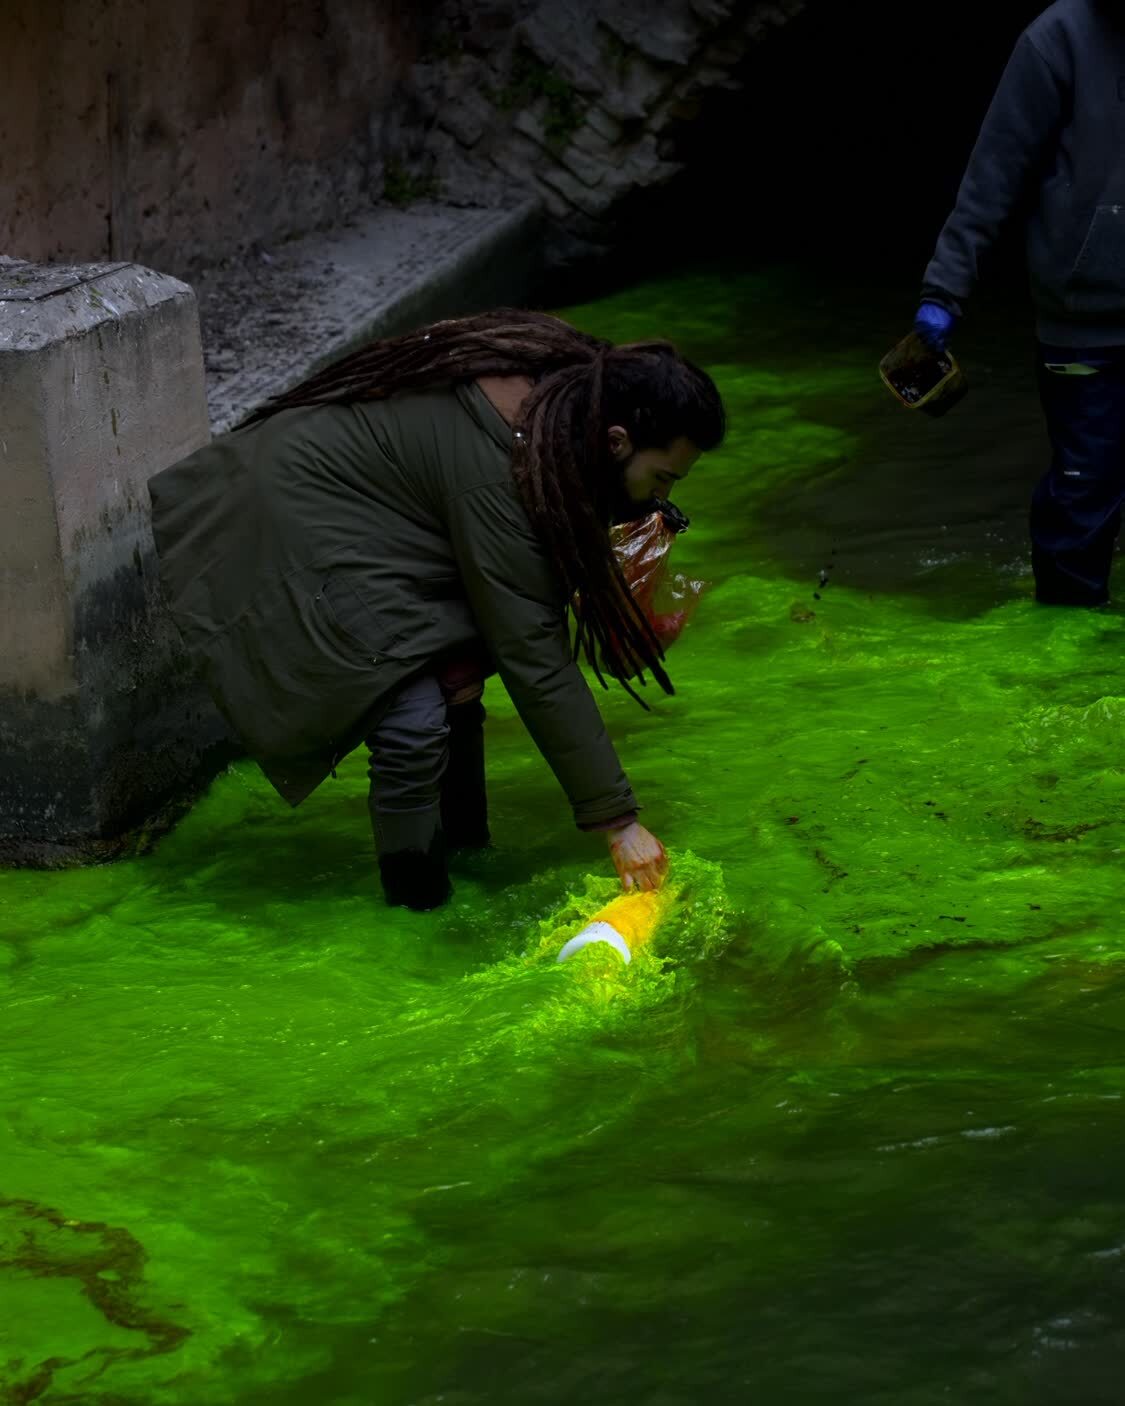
pixel 417 879
pixel 464 798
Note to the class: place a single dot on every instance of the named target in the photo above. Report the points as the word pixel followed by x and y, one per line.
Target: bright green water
pixel 854 1130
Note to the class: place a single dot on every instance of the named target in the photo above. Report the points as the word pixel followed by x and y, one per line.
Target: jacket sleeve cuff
pixel 618 823
pixel 932 294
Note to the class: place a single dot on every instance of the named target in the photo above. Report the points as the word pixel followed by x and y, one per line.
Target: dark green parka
pixel 318 559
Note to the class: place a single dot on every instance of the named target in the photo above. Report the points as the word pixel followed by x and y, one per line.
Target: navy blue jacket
pixel 1051 155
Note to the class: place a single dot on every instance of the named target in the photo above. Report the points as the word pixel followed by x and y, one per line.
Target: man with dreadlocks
pixel 351 563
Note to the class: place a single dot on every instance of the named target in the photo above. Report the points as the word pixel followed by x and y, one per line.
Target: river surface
pixel 850 1129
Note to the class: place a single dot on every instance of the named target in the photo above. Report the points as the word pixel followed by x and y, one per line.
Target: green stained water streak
pixel 851 1126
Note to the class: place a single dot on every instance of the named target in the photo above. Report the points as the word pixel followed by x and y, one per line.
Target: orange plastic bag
pixel 668 599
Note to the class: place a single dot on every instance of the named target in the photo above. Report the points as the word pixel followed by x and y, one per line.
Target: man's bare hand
pixel 639 858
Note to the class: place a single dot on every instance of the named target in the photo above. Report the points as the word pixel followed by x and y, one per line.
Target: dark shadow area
pixel 842 149
pixel 845 147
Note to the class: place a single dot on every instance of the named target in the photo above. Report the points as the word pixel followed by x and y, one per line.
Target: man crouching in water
pixel 351 563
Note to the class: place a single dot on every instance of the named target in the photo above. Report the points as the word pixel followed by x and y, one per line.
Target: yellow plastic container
pixel 626 925
pixel 921 379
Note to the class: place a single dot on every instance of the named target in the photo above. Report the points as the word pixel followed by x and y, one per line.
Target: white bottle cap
pixel 597 932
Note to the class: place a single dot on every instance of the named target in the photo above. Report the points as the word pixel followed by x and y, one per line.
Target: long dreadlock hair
pixel 561 460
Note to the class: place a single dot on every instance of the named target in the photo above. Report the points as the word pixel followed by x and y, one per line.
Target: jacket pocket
pixel 1097 280
pixel 347 616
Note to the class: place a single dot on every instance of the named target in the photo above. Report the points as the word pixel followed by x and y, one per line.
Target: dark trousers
pixel 427 789
pixel 1076 508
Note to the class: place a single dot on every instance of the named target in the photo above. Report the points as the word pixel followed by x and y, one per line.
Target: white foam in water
pixel 597 932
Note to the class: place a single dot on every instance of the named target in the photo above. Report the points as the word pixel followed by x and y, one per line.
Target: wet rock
pixel 581 103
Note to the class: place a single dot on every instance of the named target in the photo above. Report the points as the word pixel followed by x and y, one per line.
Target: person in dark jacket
pixel 1051 153
pixel 352 563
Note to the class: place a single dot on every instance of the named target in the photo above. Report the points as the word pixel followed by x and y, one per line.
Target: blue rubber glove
pixel 934 325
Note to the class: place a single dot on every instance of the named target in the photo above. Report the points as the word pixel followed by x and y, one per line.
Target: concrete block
pixel 101 723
